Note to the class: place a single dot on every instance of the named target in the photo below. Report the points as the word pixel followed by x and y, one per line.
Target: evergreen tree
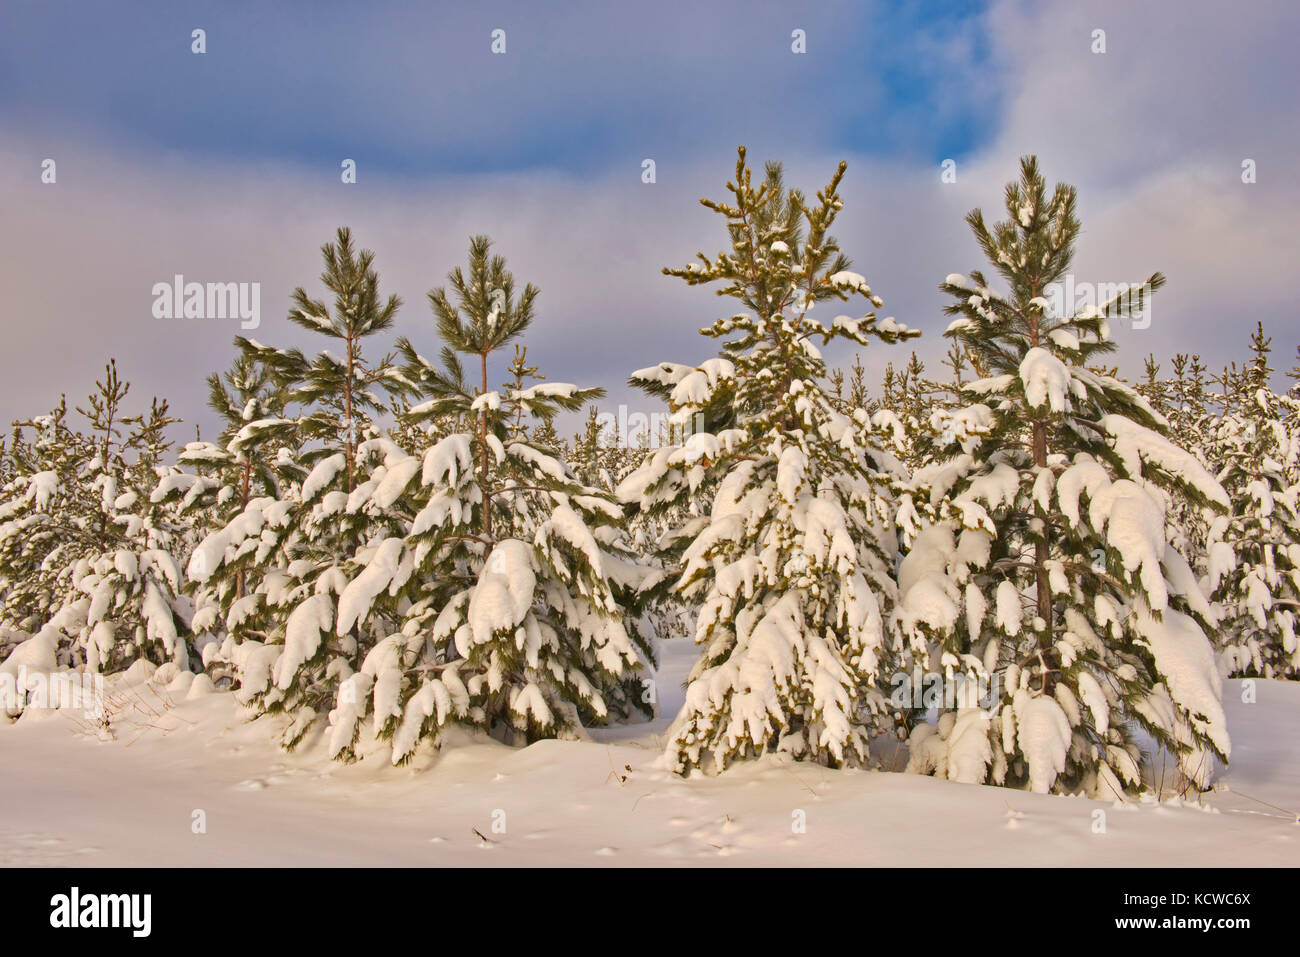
pixel 312 539
pixel 596 458
pixel 785 553
pixel 858 394
pixel 1193 425
pixel 254 458
pixel 1256 569
pixel 1189 402
pixel 520 373
pixel 337 394
pixel 86 558
pixel 912 401
pixel 1154 389
pixel 1046 568
pixel 511 577
pixel 1294 375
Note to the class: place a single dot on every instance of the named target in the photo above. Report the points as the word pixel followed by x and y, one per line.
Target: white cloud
pixel 1152 133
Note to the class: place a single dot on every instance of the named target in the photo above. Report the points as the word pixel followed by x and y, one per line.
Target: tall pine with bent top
pixel 1047 568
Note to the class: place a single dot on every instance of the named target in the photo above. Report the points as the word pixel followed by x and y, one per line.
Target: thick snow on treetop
pixel 218 546
pixel 383 570
pixel 1129 517
pixel 1186 663
pixel 543 390
pixel 1044 736
pixel 42 487
pixel 643 484
pixel 564 524
pixel 306 626
pixel 929 594
pixel 448 460
pixel 1046 379
pixel 395 481
pixel 1137 444
pixel 323 475
pixel 852 281
pixel 665 373
pixel 695 387
pixel 504 592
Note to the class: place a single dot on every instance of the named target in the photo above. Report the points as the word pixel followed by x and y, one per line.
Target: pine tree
pixel 912 401
pixel 337 393
pixel 86 558
pixel 786 558
pixel 1255 570
pixel 253 459
pixel 520 374
pixel 1189 400
pixel 1154 389
pixel 44 483
pixel 858 394
pixel 1193 426
pixel 545 437
pixel 595 457
pixel 511 575
pixel 1046 570
pixel 958 359
pixel 1294 375
pixel 311 540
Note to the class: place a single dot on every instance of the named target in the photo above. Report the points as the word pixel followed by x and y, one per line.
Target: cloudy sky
pixel 225 166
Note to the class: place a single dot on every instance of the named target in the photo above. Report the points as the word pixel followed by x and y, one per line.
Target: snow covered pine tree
pixel 86 559
pixel 514 579
pixel 789 550
pixel 1193 426
pixel 1256 571
pixel 253 459
pixel 305 546
pixel 1048 563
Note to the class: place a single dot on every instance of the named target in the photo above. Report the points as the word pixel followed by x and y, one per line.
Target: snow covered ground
pixel 69 798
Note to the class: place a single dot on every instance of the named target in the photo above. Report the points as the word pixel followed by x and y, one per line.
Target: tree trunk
pixel 1042 553
pixel 483 455
pixel 245 482
pixel 349 452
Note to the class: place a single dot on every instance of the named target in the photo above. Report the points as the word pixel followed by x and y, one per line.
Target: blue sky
pixel 411 88
pixel 225 166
